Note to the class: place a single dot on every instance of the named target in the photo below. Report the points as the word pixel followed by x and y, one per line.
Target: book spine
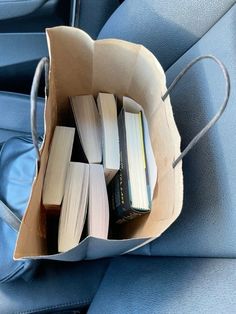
pixel 121 203
pixel 122 211
pixel 145 159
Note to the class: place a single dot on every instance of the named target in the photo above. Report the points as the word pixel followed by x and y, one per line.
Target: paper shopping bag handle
pixel 217 115
pixel 9 217
pixel 42 65
pixel 6 214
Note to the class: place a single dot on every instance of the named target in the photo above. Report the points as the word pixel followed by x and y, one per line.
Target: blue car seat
pixel 191 268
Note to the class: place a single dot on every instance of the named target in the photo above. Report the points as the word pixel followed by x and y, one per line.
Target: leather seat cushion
pixel 166 286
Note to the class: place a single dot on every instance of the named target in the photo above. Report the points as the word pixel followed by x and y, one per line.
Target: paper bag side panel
pixel 94 248
pixel 113 66
pixel 71 54
pixel 31 237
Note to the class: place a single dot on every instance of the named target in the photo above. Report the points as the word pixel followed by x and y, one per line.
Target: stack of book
pixel 113 143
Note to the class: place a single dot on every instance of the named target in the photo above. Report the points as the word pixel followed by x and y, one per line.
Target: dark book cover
pixel 121 202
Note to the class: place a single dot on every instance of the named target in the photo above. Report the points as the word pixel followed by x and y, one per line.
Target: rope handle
pixel 42 65
pixel 7 215
pixel 217 116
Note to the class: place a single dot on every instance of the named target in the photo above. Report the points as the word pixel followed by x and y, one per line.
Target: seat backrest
pixel 15 115
pixel 167 28
pixel 94 14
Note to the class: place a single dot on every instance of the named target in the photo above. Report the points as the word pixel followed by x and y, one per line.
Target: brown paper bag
pixel 78 66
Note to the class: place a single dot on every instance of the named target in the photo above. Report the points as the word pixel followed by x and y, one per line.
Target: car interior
pixel 191 267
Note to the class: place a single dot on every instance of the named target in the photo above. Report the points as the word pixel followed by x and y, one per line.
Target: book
pixel 110 137
pixel 74 206
pixel 98 211
pixel 88 126
pixel 58 162
pixel 130 192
